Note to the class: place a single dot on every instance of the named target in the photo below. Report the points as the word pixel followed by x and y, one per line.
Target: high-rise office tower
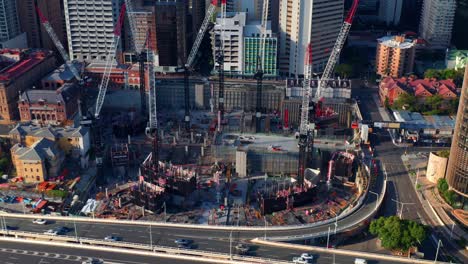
pixel 31 24
pixel 254 9
pixel 304 21
pixel 437 22
pixel 390 11
pixel 90 27
pixel 10 32
pixel 457 170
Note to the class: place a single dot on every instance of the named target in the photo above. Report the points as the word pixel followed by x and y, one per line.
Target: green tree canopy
pixel 397 234
pixel 405 100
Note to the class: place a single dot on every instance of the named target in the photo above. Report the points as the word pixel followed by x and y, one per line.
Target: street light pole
pixel 416 182
pixel 76 231
pixel 328 236
pixel 336 220
pixel 451 230
pixel 437 252
pixel 230 245
pixel 401 208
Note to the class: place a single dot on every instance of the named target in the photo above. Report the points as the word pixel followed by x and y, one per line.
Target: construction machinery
pixel 137 47
pixel 260 64
pixel 191 59
pixel 306 127
pixel 57 43
pixel 335 54
pixel 220 61
pixel 111 59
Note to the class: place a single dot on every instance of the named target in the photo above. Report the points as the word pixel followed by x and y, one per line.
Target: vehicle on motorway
pixel 300 260
pixel 40 221
pixel 184 246
pixel 112 238
pixel 93 261
pixel 57 231
pixel 307 256
pixel 183 241
pixel 360 261
pixel 242 248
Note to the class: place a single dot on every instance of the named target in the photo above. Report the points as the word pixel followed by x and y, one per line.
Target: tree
pixel 405 100
pixel 442 185
pixel 398 234
pixel 432 73
pixel 344 70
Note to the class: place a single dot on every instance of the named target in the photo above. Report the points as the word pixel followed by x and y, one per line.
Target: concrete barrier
pixel 350 253
pixel 27 236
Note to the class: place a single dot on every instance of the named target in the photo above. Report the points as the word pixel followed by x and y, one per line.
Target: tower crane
pixel 260 64
pixel 137 47
pixel 220 61
pixel 305 129
pixel 335 54
pixel 191 59
pixel 57 43
pixel 110 62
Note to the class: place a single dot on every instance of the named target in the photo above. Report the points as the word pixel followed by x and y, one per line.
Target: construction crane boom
pixel 57 43
pixel 335 54
pixel 191 59
pixel 132 24
pixel 201 33
pixel 111 56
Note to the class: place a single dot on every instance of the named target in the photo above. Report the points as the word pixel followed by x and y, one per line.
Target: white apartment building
pixel 10 33
pixel 305 21
pixel 233 38
pixel 390 11
pixel 90 27
pixel 437 22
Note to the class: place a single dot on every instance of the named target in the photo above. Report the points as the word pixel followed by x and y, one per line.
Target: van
pixel 360 261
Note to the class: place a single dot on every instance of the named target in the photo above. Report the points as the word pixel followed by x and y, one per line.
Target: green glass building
pixel 252 51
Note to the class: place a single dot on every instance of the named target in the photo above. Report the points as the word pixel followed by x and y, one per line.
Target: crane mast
pixel 191 59
pixel 110 62
pixel 138 52
pixel 335 54
pixel 305 135
pixel 57 43
pixel 260 64
pixel 220 61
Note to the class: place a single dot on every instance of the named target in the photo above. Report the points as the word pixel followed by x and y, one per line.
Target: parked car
pixel 112 238
pixel 360 261
pixel 8 227
pixel 57 231
pixel 184 246
pixel 40 221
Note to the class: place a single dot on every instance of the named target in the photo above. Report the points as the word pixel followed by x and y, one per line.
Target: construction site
pixel 221 151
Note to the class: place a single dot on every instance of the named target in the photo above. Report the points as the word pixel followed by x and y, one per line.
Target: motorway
pixel 19 253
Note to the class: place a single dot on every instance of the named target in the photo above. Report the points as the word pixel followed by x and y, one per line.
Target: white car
pixel 300 260
pixel 112 238
pixel 40 221
pixel 307 256
pixel 52 232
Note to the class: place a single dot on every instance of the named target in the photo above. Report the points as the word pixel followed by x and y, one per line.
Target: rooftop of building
pixel 419 121
pixel 63 73
pixel 65 93
pixel 254 29
pixel 39 151
pixel 31 129
pixel 30 59
pixel 398 41
pixel 416 86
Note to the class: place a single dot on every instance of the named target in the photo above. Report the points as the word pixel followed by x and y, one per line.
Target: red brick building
pixel 20 70
pixel 390 88
pixel 50 106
